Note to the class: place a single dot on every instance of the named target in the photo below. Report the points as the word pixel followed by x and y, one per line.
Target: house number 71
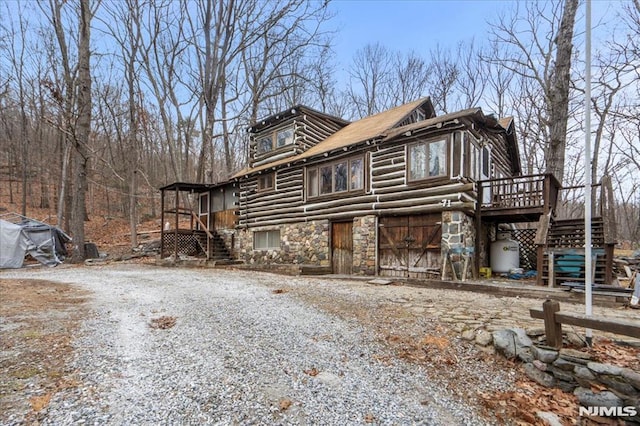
pixel 446 203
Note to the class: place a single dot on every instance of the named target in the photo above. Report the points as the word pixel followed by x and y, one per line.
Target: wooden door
pixel 409 246
pixel 342 247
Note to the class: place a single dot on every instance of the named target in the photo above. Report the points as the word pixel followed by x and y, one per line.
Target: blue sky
pixel 420 25
pixel 417 25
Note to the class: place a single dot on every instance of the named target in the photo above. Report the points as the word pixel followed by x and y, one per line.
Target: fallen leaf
pixel 280 291
pixel 312 372
pixel 38 403
pixel 439 342
pixel 285 404
pixel 163 322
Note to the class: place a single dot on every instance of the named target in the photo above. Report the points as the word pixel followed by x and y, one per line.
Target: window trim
pixel 426 143
pixel 318 167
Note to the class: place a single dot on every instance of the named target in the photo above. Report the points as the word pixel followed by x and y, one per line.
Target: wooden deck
pixel 517 199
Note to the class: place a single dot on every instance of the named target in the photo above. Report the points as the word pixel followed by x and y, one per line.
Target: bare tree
pixel 64 95
pixel 128 35
pixel 370 76
pixel 537 46
pixel 163 63
pixel 409 76
pixel 17 50
pixel 498 83
pixel 559 93
pixel 473 75
pixel 442 78
pixel 82 130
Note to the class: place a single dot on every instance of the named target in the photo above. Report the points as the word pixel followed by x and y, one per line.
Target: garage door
pixel 409 246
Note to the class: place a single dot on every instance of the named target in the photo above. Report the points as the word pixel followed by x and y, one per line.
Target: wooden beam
pixel 617 326
pixel 623 327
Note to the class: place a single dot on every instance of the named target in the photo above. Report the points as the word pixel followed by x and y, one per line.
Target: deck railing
pixel 519 192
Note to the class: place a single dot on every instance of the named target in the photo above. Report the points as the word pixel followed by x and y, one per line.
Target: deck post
pixel 552 329
pixel 177 203
pixel 162 223
pixel 476 266
pixel 552 269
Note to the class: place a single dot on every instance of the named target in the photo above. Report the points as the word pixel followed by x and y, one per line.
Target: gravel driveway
pixel 239 353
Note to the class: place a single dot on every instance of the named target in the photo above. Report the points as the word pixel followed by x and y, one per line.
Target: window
pixel 312 183
pixel 486 161
pixel 357 174
pixel 428 159
pixel 416 116
pixel 217 201
pixel 265 182
pixel 326 180
pixel 204 203
pixel 264 145
pixel 274 140
pixel 340 176
pixel 266 240
pixel 474 162
pixel 284 137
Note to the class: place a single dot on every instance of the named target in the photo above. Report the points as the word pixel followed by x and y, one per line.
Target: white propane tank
pixel 505 253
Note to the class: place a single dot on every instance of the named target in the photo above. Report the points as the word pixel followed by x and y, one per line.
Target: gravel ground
pixel 239 353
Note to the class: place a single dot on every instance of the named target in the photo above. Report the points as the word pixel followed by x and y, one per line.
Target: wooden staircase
pixel 217 248
pixel 565 243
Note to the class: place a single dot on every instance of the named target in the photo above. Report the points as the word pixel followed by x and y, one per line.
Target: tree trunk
pixel 62 195
pixel 133 214
pixel 83 129
pixel 559 93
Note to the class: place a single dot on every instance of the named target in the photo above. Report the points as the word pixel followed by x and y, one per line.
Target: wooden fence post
pixel 552 328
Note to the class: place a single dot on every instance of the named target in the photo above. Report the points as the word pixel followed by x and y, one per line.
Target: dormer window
pixel 284 137
pixel 265 144
pixel 416 116
pixel 274 140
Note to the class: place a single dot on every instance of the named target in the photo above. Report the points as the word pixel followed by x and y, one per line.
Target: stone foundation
pixel 307 243
pixel 300 243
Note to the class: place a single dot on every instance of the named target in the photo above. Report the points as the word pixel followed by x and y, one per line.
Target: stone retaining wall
pixel 568 369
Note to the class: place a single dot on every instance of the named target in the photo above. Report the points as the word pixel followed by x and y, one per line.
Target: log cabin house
pixel 402 193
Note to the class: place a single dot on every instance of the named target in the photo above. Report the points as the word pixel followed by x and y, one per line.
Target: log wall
pixel 309 130
pixel 387 192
